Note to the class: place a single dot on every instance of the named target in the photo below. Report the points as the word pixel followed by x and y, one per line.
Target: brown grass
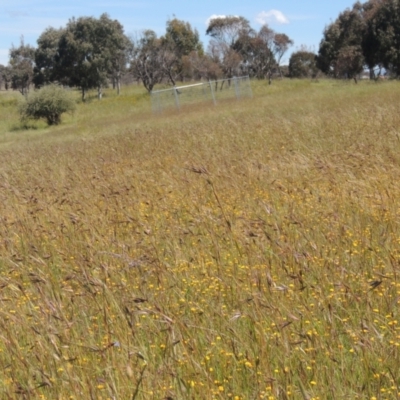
pixel 246 251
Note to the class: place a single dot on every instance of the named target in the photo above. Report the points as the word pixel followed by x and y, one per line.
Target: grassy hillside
pixel 245 251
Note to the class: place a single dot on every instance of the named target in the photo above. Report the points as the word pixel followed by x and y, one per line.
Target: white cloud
pixel 272 17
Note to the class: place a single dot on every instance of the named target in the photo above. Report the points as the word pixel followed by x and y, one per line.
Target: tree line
pixel 365 36
pixel 93 52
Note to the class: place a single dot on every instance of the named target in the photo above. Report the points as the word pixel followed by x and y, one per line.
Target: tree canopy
pixel 182 38
pixel 89 50
pixel 382 37
pixel 367 35
pixel 147 59
pixel 5 76
pixel 340 52
pixel 228 29
pixel 238 48
pixel 21 66
pixel 46 70
pixel 302 64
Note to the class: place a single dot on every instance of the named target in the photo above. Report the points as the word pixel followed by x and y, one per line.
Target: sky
pixel 303 21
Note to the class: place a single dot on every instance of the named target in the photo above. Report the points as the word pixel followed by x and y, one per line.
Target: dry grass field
pixel 245 251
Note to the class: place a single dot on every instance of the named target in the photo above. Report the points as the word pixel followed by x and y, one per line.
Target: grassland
pixel 245 251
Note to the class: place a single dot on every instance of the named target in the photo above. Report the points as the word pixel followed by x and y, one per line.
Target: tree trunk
pixel 99 92
pixel 83 94
pixel 117 82
pixel 171 78
pixel 379 73
pixel 371 74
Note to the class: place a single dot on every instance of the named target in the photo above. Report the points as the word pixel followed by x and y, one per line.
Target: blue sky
pixel 303 21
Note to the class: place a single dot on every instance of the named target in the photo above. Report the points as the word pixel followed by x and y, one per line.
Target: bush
pixel 47 103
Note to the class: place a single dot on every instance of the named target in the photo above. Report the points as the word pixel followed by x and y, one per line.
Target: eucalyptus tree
pixel 5 77
pixel 369 41
pixel 21 64
pixel 89 50
pixel 255 50
pixel 202 66
pixel 46 57
pixel 182 38
pixel 119 63
pixel 227 30
pixel 281 44
pixel 262 51
pixel 227 58
pixel 381 42
pixel 115 48
pixel 225 33
pixel 302 64
pixel 340 52
pixel 264 61
pixel 147 61
pixel 237 47
pixel 178 42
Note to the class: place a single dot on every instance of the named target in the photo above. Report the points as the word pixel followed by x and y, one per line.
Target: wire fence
pixel 211 92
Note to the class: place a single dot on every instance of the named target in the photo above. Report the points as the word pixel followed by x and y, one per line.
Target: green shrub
pixel 47 103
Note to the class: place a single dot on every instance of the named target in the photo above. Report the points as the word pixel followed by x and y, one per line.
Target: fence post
pixel 176 98
pixel 212 93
